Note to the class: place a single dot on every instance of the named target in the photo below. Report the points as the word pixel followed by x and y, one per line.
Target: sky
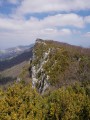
pixel 23 21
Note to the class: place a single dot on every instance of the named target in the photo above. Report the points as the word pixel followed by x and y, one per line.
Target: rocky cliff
pixel 40 58
pixel 57 64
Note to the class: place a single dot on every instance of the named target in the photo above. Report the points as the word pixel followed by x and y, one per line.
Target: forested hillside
pixel 21 102
pixel 56 64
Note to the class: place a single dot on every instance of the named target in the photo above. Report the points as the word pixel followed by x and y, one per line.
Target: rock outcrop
pixel 56 64
pixel 39 78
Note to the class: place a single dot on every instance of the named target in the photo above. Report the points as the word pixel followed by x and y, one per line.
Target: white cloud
pixel 31 28
pixel 21 31
pixel 26 31
pixel 87 34
pixel 9 24
pixel 56 32
pixel 16 29
pixel 59 20
pixel 65 32
pixel 38 6
pixel 65 20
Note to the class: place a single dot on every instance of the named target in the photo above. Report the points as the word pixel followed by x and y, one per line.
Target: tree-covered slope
pixel 57 64
pixel 22 102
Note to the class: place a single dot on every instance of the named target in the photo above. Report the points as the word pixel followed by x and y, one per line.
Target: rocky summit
pixel 56 64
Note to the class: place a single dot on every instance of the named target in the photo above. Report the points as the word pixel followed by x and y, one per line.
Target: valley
pixel 11 68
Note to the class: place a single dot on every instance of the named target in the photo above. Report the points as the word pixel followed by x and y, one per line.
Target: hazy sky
pixel 22 21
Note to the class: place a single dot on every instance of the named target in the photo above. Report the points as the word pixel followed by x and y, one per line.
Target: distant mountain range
pixel 13 52
pixel 12 63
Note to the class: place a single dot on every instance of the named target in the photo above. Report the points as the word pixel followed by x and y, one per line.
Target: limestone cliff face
pixel 39 77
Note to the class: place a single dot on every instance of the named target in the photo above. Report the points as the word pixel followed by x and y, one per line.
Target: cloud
pixel 15 28
pixel 32 27
pixel 87 34
pixel 51 27
pixel 65 32
pixel 39 6
pixel 9 24
pixel 59 20
pixel 56 32
pixel 14 31
pixel 65 20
